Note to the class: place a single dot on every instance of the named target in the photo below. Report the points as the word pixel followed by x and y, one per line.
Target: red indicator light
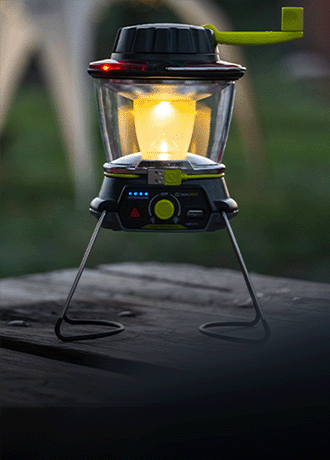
pixel 111 65
pixel 105 67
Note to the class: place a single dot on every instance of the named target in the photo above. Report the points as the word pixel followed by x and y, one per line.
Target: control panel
pixel 168 208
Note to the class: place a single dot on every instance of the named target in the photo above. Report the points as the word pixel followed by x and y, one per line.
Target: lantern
pixel 165 102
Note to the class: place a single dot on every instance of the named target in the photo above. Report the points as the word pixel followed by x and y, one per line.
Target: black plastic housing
pixel 167 50
pixel 215 192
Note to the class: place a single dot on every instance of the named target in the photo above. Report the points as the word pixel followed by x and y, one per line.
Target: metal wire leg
pixel 63 316
pixel 204 328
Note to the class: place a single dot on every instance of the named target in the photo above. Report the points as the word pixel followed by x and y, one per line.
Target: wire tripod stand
pixel 115 327
pixel 207 328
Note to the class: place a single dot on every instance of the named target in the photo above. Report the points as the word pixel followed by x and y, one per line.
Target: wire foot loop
pixel 207 328
pixel 70 338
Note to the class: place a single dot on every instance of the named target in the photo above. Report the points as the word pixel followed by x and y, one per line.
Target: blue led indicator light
pixel 146 193
pixel 141 193
pixel 130 193
pixel 135 193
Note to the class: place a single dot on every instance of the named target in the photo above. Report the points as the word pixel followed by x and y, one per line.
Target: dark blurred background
pixel 282 190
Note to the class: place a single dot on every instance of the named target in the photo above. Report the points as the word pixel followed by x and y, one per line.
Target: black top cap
pixel 176 42
pixel 165 50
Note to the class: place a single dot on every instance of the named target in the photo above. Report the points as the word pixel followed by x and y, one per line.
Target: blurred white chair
pixel 62 32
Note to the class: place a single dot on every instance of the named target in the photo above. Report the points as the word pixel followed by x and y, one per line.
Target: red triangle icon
pixel 135 213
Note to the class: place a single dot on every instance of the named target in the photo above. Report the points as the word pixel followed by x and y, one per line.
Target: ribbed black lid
pixel 171 41
pixel 165 50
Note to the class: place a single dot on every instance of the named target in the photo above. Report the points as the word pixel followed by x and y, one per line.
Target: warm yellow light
pixel 164 127
pixel 163 147
pixel 163 157
pixel 163 110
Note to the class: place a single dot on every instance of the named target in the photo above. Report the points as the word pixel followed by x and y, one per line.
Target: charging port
pixel 195 213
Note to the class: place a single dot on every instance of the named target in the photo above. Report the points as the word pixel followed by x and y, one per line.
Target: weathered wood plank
pixel 177 284
pixel 167 303
pixel 34 381
pixel 179 386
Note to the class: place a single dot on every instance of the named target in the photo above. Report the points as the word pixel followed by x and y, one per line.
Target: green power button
pixel 164 209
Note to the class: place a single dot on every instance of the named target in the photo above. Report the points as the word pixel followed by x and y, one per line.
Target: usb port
pixel 195 213
pixel 156 176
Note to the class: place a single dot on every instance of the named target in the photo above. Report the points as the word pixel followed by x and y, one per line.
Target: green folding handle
pixel 292 28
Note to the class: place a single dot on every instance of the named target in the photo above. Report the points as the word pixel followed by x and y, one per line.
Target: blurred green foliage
pixel 283 223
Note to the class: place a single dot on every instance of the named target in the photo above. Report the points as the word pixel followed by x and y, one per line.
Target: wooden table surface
pixel 161 375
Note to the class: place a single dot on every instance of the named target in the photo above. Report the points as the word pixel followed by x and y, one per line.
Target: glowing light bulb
pixel 164 127
pixel 163 147
pixel 163 110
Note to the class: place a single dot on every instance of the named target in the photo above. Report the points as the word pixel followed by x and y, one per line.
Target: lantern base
pixel 164 200
pixel 136 203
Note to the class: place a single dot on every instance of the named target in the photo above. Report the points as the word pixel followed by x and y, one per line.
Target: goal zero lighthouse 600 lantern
pixel 165 102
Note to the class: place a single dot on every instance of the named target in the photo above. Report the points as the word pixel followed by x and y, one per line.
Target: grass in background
pixel 282 226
